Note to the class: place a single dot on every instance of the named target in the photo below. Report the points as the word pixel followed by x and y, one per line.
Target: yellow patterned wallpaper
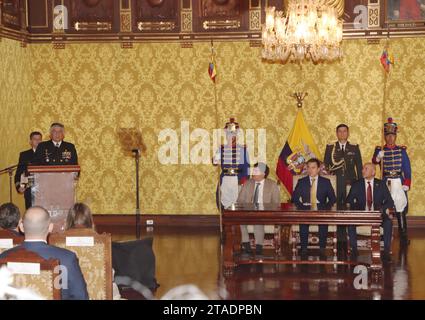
pixel 95 89
pixel 15 109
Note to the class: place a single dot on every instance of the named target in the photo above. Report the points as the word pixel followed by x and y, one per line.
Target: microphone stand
pixel 9 170
pixel 137 159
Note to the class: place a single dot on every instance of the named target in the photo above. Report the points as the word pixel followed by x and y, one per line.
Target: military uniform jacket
pixel 395 164
pixel 48 154
pixel 346 163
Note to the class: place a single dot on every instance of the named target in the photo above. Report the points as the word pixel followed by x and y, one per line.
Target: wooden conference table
pixel 288 214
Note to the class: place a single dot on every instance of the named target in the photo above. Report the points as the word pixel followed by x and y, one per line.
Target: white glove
pixel 380 155
pixel 405 188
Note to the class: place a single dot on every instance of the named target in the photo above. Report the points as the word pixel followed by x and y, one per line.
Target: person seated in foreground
pixel 36 225
pixel 131 259
pixel 10 216
pixel 80 217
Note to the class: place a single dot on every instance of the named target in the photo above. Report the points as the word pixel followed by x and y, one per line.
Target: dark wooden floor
pixel 192 256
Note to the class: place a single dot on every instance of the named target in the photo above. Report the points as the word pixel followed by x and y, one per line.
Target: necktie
pixel 369 196
pixel 343 148
pixel 313 196
pixel 256 192
pixel 57 144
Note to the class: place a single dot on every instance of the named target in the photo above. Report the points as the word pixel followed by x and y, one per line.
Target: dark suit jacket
pixel 25 158
pixel 77 288
pixel 325 194
pixel 381 196
pixel 48 154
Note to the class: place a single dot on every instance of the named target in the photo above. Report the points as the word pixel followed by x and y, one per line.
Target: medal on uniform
pixel 47 156
pixel 66 156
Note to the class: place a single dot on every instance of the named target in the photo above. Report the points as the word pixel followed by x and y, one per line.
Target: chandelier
pixel 310 30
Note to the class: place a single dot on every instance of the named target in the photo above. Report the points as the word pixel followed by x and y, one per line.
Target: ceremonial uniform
pixel 234 162
pixel 25 158
pixel 345 161
pixel 48 153
pixel 397 174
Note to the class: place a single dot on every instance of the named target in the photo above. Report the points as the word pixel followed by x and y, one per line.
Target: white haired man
pixel 56 152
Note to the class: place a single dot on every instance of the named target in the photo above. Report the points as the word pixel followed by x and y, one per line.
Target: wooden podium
pixel 54 188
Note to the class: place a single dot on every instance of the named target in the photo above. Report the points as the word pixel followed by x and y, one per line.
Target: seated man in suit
pixel 36 225
pixel 258 190
pixel 56 151
pixel 9 218
pixel 371 194
pixel 313 193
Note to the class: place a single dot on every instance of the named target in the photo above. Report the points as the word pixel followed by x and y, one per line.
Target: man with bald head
pixel 371 194
pixel 36 225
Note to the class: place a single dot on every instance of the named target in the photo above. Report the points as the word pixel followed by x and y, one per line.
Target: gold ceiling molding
pixel 339 5
pixel 156 26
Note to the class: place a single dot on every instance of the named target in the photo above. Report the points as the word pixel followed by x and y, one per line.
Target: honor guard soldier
pixel 396 172
pixel 345 161
pixel 234 161
pixel 56 152
pixel 27 158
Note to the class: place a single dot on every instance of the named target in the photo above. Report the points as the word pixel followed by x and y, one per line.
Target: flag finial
pixel 300 98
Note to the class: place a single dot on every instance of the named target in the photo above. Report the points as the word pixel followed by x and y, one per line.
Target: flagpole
pixel 217 126
pixel 384 100
pixel 217 122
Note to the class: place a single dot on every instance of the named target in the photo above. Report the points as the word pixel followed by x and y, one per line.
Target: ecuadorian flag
pixel 298 149
pixel 386 60
pixel 212 70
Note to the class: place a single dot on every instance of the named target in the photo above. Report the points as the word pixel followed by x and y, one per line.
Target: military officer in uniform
pixel 234 161
pixel 26 158
pixel 345 161
pixel 56 152
pixel 396 172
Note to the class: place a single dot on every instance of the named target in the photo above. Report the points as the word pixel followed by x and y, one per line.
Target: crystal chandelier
pixel 310 30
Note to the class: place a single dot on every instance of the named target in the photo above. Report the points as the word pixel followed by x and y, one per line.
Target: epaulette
pixel 378 147
pixel 403 147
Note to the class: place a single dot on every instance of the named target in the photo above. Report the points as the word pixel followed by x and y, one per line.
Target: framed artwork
pixel 405 11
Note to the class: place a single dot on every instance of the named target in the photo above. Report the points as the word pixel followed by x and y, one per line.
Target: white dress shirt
pixel 36 240
pixel 366 186
pixel 58 144
pixel 342 145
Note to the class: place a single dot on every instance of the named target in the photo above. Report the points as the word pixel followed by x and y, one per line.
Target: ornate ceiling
pixel 186 21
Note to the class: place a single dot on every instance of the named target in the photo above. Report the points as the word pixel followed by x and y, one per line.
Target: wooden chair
pixel 364 242
pixel 313 239
pixel 40 279
pixel 94 252
pixel 9 240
